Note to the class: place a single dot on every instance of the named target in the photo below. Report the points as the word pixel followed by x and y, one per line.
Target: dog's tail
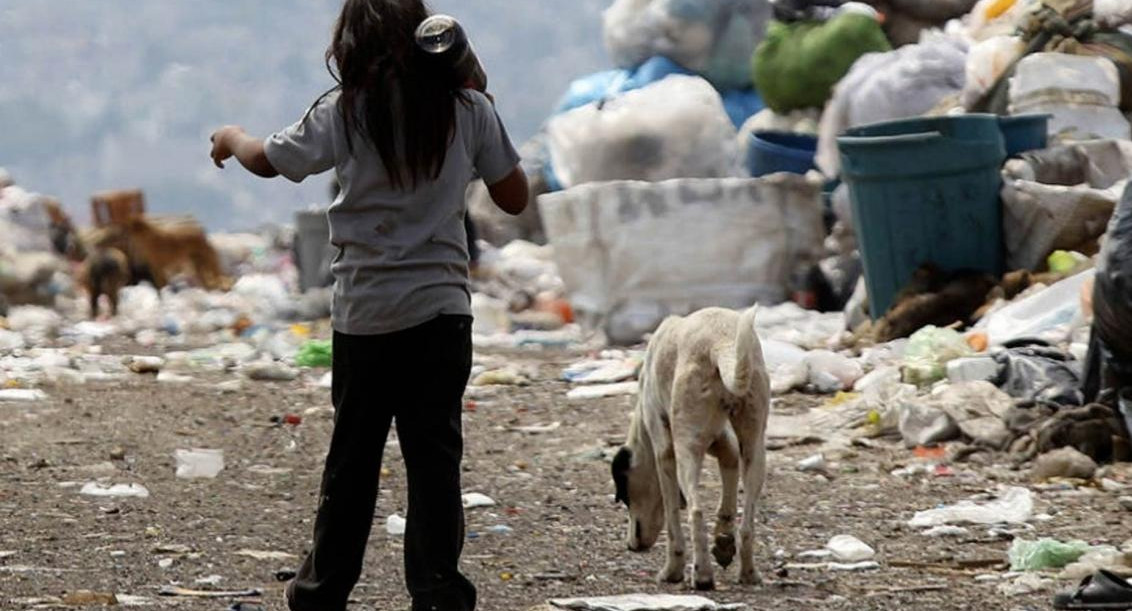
pixel 737 361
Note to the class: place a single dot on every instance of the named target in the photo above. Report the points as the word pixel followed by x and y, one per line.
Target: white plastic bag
pixel 907 82
pixel 674 128
pixel 986 63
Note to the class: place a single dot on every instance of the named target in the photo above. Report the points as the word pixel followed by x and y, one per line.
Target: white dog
pixel 704 390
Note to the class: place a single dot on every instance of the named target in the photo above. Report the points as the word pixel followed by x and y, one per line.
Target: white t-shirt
pixel 402 255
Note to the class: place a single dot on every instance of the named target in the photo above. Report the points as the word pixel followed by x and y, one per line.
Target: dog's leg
pixel 673 571
pixel 689 460
pixel 726 449
pixel 750 428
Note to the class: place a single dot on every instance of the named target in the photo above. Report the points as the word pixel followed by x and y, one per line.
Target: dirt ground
pixel 553 490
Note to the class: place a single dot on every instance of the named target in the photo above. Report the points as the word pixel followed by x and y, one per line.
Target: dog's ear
pixel 622 462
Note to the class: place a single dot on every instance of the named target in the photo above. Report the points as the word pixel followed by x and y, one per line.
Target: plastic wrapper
pixel 715 38
pixel 675 128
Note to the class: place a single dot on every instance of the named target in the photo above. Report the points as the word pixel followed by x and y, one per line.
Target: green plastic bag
pixel 315 353
pixel 1045 554
pixel 798 64
pixel 929 351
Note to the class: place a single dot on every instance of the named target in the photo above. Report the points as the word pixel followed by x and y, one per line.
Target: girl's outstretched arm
pixel 232 141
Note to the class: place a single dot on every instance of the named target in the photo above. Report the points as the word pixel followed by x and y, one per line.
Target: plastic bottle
pixel 444 37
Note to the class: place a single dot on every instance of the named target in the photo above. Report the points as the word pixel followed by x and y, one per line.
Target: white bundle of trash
pixel 715 38
pixel 675 128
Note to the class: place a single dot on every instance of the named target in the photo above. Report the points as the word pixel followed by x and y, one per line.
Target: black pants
pixel 416 378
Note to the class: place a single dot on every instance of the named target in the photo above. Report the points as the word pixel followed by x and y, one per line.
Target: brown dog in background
pixel 104 272
pixel 171 246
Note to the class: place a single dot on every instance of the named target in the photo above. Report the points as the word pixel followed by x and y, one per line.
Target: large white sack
pixel 1082 93
pixel 904 83
pixel 631 253
pixel 674 128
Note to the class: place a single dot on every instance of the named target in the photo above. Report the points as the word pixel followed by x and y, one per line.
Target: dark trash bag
pixel 1040 374
pixel 1109 365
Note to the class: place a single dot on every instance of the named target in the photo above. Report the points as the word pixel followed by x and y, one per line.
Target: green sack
pixel 315 353
pixel 798 64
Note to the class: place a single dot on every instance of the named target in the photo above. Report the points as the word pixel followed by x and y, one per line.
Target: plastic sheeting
pixel 632 253
pixel 676 128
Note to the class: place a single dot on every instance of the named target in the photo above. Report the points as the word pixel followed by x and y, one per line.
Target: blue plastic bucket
pixel 772 152
pixel 924 191
pixel 1025 133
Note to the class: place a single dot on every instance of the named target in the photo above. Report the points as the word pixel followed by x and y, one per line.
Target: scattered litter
pixel 198 463
pixel 601 391
pixel 929 351
pixel 6 554
pixel 501 377
pixel 815 463
pixel 265 555
pixel 538 429
pixel 1023 585
pixel 187 593
pixel 946 531
pixel 1044 554
pixel 269 371
pixel 475 500
pixel 165 563
pixel 22 395
pixel 395 525
pixel 1013 506
pixel 643 602
pixel 267 470
pixel 145 364
pixel 850 550
pixel 315 353
pixel 86 598
pixel 118 490
pixel 168 377
pixel 606 371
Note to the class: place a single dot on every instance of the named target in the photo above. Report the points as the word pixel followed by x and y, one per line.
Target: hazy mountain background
pixel 104 94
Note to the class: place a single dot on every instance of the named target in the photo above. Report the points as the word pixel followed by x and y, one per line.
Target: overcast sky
pixel 120 93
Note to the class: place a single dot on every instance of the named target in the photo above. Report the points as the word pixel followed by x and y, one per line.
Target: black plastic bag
pixel 1041 375
pixel 1109 366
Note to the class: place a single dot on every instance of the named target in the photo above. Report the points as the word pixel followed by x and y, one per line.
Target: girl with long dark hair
pixel 404 138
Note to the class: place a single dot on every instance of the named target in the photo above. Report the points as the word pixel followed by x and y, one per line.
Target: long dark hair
pixel 399 97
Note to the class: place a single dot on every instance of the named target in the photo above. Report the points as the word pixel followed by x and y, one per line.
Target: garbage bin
pixel 313 251
pixel 924 191
pixel 772 152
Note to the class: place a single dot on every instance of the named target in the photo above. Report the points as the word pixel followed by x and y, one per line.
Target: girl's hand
pixel 222 143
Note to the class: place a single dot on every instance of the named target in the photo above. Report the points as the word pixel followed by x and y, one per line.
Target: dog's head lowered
pixel 637 484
